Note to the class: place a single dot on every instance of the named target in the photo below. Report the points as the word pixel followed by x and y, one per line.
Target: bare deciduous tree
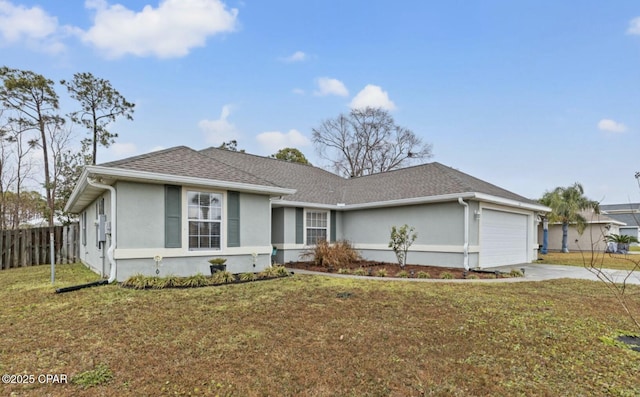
pixel 368 141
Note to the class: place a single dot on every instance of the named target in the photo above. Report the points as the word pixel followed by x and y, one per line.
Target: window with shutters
pixel 204 212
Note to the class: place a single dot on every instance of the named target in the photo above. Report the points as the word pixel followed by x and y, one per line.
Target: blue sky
pixel 528 95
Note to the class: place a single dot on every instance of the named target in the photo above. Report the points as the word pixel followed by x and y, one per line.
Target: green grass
pixel 599 259
pixel 315 336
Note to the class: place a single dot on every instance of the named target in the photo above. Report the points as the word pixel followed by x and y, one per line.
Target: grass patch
pixel 607 261
pixel 95 377
pixel 315 336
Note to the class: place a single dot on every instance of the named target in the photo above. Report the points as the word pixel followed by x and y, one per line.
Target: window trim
pixel 185 222
pixel 305 227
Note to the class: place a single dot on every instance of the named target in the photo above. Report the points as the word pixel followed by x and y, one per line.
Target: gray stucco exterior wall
pixel 140 235
pixel 255 220
pixel 140 225
pixel 91 254
pixel 440 223
pixel 440 228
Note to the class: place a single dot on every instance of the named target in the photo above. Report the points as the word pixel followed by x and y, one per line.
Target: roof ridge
pixel 393 170
pixel 271 159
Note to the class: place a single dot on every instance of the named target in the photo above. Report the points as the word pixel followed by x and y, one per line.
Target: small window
pixel 316 226
pixel 204 211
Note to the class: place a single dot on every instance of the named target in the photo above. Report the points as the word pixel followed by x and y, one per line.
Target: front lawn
pixel 607 261
pixel 314 336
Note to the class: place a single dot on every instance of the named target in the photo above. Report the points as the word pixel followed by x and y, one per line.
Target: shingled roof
pixel 312 184
pixel 184 161
pixel 315 185
pixel 433 179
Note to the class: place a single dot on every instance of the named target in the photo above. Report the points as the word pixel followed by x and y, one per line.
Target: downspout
pixel 466 233
pixel 112 246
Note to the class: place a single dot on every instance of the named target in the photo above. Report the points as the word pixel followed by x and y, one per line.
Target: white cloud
pixel 220 130
pixel 372 96
pixel 634 26
pixel 273 141
pixel 170 30
pixel 611 126
pixel 329 86
pixel 31 27
pixel 298 91
pixel 297 56
pixel 121 150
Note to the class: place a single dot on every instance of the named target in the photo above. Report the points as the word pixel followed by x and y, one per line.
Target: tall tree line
pixel 37 143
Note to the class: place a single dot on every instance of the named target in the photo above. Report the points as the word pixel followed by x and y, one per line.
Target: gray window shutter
pixel 172 216
pixel 299 226
pixel 332 232
pixel 233 219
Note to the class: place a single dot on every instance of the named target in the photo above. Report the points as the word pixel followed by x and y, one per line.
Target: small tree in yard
pixel 401 239
pixel 618 286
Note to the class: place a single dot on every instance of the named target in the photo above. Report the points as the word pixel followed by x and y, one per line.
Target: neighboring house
pixel 593 237
pixel 626 213
pixel 38 222
pixel 189 206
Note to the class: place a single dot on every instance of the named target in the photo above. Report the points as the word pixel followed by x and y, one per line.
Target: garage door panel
pixel 503 238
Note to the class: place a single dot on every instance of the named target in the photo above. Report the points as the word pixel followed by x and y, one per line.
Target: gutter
pixel 466 233
pixel 112 246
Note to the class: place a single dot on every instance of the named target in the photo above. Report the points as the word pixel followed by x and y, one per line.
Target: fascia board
pixel 79 188
pixel 417 200
pixel 377 204
pixel 511 203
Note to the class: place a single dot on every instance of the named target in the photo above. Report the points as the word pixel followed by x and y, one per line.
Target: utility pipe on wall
pixel 466 233
pixel 112 246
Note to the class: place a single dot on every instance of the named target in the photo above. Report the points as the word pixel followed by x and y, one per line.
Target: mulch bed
pixel 393 268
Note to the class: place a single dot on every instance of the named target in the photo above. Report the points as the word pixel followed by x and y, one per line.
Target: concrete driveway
pixel 532 272
pixel 539 272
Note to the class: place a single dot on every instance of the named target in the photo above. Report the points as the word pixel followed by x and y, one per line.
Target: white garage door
pixel 503 238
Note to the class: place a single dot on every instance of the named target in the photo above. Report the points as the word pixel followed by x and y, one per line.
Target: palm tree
pixel 566 204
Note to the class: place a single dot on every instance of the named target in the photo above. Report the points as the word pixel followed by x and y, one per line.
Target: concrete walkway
pixel 532 272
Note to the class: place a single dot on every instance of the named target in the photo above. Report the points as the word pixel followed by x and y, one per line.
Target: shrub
pixel 198 280
pixel 280 271
pixel 269 272
pixel 223 277
pixel 248 276
pixel 218 261
pixel 516 273
pixel 360 272
pixel 473 277
pixel 172 281
pixel 342 270
pixel 446 276
pixel 423 274
pixel 401 239
pixel 381 272
pixel 338 254
pixel 156 282
pixel 137 281
pixel 402 274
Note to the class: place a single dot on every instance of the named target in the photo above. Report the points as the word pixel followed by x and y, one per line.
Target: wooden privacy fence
pixel 29 247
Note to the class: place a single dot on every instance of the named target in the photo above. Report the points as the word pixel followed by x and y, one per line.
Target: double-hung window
pixel 205 220
pixel 316 226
